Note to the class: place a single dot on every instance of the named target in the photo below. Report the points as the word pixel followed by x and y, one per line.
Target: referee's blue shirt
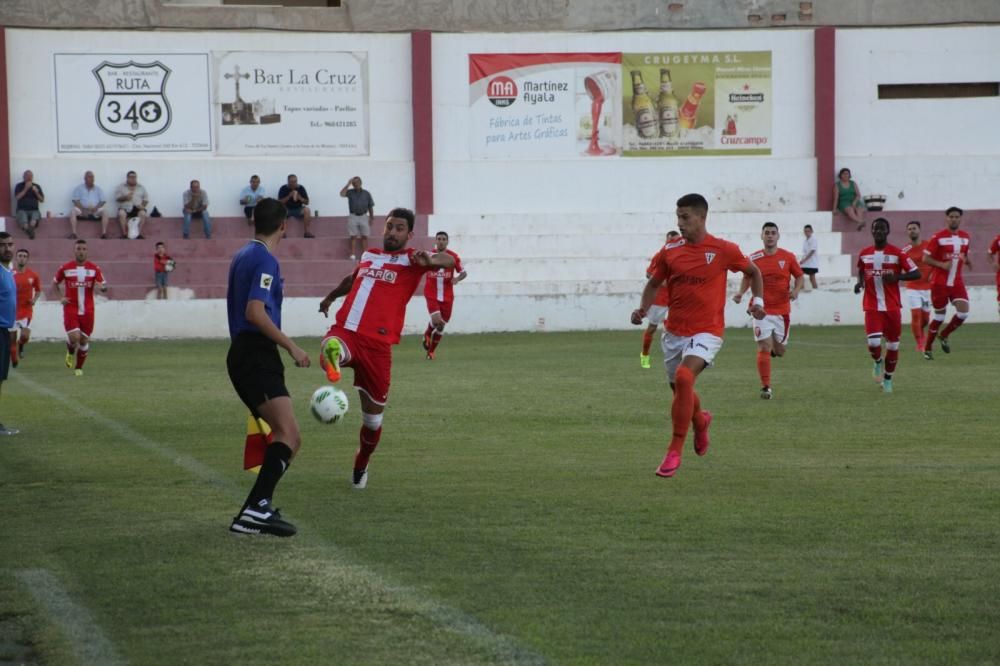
pixel 8 298
pixel 254 275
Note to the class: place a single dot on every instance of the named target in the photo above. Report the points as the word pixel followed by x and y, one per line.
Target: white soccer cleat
pixel 360 479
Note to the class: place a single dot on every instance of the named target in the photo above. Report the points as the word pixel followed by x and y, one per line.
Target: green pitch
pixel 512 514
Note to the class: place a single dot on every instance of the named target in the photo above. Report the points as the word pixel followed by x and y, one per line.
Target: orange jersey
pixel 662 294
pixel 777 270
pixel 696 275
pixel 28 285
pixel 916 253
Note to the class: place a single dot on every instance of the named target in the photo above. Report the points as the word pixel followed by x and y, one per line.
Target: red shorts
pixel 370 359
pixel 74 321
pixel 443 307
pixel 888 324
pixel 942 294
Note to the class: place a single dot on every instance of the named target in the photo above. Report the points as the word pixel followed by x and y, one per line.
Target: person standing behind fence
pixel 809 261
pixel 361 207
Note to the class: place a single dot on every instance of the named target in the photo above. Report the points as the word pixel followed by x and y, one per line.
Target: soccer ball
pixel 328 404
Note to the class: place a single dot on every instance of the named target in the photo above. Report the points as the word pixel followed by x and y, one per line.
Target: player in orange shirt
pixel 29 288
pixel 777 267
pixel 694 269
pixel 918 292
pixel 658 310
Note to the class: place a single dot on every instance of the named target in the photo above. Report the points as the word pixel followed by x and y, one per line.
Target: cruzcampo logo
pixel 133 100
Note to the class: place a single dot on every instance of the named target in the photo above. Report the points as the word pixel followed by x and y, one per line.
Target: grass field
pixel 512 514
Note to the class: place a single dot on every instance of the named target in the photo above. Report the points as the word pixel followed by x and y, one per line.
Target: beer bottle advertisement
pixel 710 103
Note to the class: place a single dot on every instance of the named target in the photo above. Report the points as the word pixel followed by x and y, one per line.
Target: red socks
pixel 81 356
pixel 764 367
pixel 955 322
pixel 369 440
pixel 891 356
pixel 435 341
pixel 647 341
pixel 682 409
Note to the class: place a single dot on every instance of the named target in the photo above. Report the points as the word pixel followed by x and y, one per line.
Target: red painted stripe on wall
pixel 423 121
pixel 825 82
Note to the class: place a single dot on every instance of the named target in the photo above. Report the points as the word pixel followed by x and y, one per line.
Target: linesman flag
pixel 258 437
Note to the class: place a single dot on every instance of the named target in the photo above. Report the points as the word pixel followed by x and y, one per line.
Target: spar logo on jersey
pixel 501 91
pixel 381 274
pixel 709 256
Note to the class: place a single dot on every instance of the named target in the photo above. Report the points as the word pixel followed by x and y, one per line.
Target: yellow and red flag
pixel 258 437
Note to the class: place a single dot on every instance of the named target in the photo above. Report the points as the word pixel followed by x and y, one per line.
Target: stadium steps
pixel 310 266
pixel 982 226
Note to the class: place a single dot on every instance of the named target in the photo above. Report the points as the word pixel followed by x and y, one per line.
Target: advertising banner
pixel 536 105
pixel 132 102
pixel 291 103
pixel 711 103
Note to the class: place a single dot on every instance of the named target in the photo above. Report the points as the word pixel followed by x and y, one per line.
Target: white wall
pixel 783 181
pixel 387 170
pixel 924 153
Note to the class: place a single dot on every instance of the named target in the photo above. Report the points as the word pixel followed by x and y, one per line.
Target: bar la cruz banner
pixel 132 102
pixel 711 103
pixel 292 103
pixel 545 104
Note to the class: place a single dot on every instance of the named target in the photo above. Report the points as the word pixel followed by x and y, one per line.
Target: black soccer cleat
pixel 945 347
pixel 262 518
pixel 928 356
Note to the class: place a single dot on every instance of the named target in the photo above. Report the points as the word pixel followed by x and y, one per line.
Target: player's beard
pixel 390 244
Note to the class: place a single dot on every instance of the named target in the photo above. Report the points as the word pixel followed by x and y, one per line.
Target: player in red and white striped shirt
pixel 370 322
pixel 439 293
pixel 946 252
pixel 881 267
pixel 80 277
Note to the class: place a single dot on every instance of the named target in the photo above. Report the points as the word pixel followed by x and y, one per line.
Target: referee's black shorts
pixel 255 369
pixel 4 353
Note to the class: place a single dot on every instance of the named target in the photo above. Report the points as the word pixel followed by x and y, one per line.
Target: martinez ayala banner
pixel 711 103
pixel 292 103
pixel 122 102
pixel 545 104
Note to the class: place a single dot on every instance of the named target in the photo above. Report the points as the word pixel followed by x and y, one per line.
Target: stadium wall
pixel 783 181
pixel 387 170
pixel 921 153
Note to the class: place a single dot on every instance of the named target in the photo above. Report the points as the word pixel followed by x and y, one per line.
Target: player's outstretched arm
pixel 648 294
pixel 910 275
pixel 257 315
pixel 744 285
pixel 752 273
pixel 458 278
pixel 341 289
pixel 436 260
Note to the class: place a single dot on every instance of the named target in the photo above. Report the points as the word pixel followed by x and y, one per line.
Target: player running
pixel 994 253
pixel 439 293
pixel 918 292
pixel 777 268
pixel 29 289
pixel 880 269
pixel 694 269
pixel 370 321
pixel 946 251
pixel 77 297
pixel 658 310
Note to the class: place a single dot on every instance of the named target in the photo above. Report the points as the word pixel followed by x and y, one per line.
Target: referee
pixel 8 301
pixel 255 368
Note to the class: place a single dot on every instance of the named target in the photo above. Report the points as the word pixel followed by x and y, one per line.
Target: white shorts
pixel 23 323
pixel 656 314
pixel 777 326
pixel 675 347
pixel 919 299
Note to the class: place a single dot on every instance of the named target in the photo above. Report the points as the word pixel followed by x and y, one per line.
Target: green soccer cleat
pixel 69 360
pixel 644 361
pixel 330 360
pixel 886 386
